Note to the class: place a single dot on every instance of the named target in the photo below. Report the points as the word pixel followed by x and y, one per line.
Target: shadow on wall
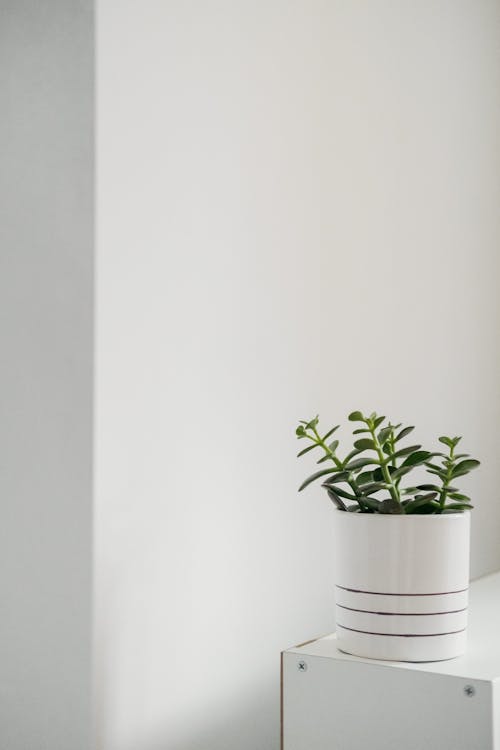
pixel 253 725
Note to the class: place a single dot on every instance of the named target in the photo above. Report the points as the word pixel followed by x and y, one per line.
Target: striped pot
pixel 402 585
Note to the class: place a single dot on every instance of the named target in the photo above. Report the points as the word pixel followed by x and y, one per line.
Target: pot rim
pixel 400 516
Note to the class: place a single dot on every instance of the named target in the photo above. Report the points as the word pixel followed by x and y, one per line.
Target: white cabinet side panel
pixel 336 705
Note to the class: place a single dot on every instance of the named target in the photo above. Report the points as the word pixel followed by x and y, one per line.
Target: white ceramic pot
pixel 402 585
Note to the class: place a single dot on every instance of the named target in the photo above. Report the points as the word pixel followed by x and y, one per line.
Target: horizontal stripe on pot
pixel 407 604
pixel 420 648
pixel 415 624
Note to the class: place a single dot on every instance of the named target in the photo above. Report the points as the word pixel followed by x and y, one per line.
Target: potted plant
pixel 401 540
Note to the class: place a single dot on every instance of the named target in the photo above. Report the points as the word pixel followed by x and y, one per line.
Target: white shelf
pixel 343 702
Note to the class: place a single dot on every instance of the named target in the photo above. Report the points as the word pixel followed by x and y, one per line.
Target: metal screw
pixel 302 666
pixel 469 691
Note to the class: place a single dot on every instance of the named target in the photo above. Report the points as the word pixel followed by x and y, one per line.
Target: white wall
pixel 209 235
pixel 297 212
pixel 46 259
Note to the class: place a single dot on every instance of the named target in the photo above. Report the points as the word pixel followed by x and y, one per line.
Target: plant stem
pixel 392 443
pixel 394 492
pixel 319 441
pixel 350 481
pixel 446 482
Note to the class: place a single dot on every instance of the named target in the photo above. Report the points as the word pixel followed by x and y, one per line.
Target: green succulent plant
pixel 369 478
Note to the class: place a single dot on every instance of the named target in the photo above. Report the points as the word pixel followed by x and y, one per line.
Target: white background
pixel 297 212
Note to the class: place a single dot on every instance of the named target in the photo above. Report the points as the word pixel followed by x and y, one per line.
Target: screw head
pixel 302 666
pixel 469 691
